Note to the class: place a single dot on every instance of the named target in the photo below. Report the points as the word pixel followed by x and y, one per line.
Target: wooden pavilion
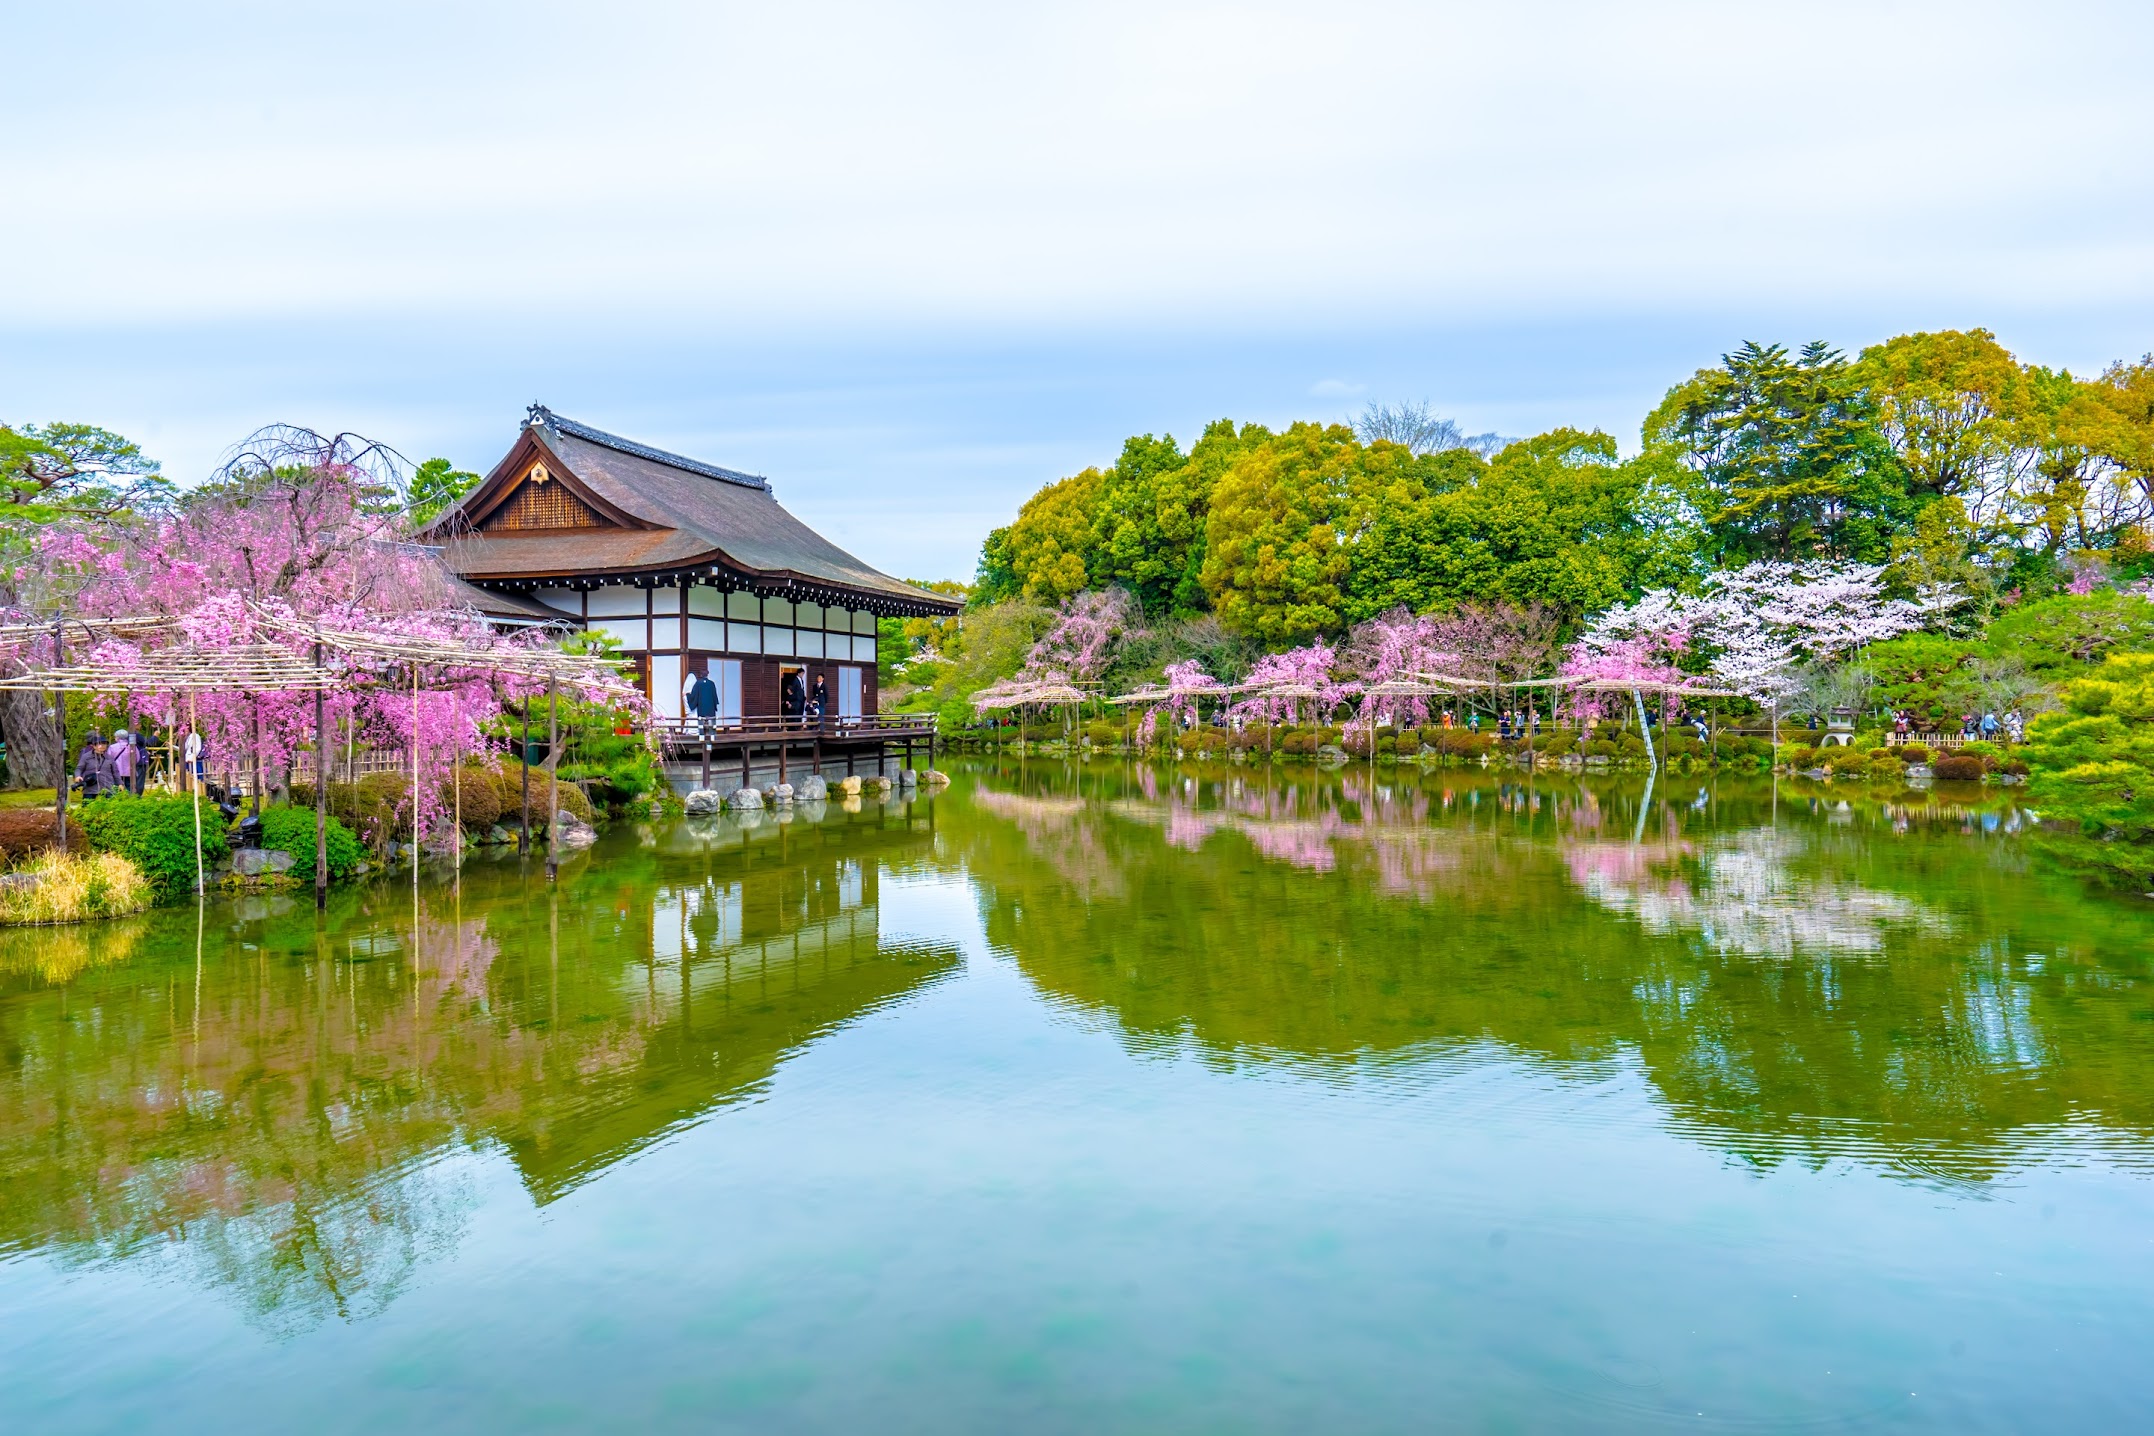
pixel 694 569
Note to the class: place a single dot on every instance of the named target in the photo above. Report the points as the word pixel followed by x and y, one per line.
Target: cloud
pixel 762 169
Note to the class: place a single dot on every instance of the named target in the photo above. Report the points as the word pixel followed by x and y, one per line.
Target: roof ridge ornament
pixel 538 416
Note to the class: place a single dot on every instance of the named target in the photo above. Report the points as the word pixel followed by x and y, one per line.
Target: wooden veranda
pixel 742 742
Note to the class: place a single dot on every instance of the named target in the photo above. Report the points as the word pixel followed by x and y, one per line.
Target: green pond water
pixel 1111 1098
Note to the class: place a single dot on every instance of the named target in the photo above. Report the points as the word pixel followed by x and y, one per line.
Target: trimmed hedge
pixel 291 830
pixel 157 835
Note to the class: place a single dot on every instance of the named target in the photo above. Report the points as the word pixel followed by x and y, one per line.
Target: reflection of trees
pixel 1743 893
pixel 1879 981
pixel 282 1116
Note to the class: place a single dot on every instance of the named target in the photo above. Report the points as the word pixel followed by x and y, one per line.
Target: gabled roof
pixel 668 514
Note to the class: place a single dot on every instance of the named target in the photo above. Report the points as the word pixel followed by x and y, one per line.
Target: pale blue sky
pixel 913 261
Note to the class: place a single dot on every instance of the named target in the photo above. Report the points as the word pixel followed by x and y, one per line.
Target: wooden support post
pixel 553 777
pixel 59 723
pixel 747 750
pixel 254 762
pixel 523 834
pixel 1645 731
pixel 194 786
pixel 321 789
pixel 783 744
pixel 415 786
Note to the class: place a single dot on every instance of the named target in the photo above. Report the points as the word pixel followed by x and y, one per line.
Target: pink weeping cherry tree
pixel 295 532
pixel 1185 684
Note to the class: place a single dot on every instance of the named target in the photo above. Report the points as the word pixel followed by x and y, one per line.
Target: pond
pixel 1110 1098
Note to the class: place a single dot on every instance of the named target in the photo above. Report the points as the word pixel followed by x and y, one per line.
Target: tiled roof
pixel 698 515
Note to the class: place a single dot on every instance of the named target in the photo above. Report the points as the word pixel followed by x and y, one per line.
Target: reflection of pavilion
pixel 282 1117
pixel 737 974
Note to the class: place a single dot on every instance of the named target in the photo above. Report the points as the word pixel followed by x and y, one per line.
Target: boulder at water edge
pixel 745 798
pixel 908 777
pixel 850 786
pixel 936 778
pixel 812 789
pixel 778 795
pixel 572 831
pixel 703 802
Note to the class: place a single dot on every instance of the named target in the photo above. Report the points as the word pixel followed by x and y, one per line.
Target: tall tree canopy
pixel 1559 519
pixel 1045 555
pixel 1787 455
pixel 1155 507
pixel 1283 518
pixel 435 485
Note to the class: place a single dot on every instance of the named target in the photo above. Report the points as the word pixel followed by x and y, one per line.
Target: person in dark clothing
pixel 93 770
pixel 792 697
pixel 819 700
pixel 703 702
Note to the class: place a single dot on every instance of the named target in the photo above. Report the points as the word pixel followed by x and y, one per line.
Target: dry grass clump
pixel 72 888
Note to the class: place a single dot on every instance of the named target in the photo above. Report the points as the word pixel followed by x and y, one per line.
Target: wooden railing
pixel 682 734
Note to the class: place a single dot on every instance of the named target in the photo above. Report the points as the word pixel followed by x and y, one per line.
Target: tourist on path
pixel 126 761
pixel 93 770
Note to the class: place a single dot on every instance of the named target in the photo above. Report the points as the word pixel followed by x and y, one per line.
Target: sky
pixel 914 261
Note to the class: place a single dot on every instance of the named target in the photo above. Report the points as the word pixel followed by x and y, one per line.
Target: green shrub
pixel 1562 741
pixel 1959 767
pixel 1913 753
pixel 1630 745
pixel 1103 732
pixel 1301 745
pixel 157 835
pixel 1601 748
pixel 291 830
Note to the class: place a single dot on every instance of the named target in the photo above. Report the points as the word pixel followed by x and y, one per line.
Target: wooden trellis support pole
pixel 321 792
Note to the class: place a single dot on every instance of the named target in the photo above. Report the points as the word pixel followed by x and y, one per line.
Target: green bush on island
pixel 157 835
pixel 2092 764
pixel 291 830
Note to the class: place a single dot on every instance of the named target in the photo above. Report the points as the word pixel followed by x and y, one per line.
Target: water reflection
pixel 1807 977
pixel 286 1109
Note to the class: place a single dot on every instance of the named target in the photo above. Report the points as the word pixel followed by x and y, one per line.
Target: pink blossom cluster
pixel 267 567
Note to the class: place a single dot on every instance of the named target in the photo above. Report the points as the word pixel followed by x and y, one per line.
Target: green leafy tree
pixel 1283 517
pixel 1558 519
pixel 1950 404
pixel 51 471
pixel 435 485
pixel 1045 556
pixel 1787 456
pixel 2093 762
pixel 2073 493
pixel 1154 511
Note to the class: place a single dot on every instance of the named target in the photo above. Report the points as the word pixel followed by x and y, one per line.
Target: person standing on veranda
pixel 701 699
